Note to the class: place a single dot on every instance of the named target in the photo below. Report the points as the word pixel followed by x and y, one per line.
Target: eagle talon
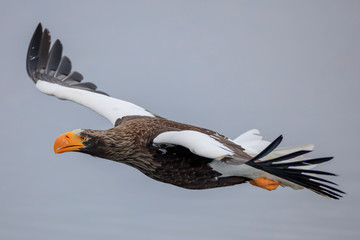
pixel 265 183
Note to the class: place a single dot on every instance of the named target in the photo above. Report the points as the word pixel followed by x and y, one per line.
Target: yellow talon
pixel 265 183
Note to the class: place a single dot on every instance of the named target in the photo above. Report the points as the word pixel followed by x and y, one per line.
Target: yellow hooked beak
pixel 68 142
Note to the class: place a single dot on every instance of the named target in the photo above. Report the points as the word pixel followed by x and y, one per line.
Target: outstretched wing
pixel 52 75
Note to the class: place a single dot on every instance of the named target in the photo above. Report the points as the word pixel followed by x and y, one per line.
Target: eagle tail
pixel 296 170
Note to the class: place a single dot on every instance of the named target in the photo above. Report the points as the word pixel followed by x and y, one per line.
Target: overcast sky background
pixel 284 67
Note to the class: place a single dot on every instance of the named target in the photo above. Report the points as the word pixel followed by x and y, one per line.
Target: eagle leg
pixel 265 183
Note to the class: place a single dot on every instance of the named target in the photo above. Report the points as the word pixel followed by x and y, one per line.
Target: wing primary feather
pixel 51 66
pixel 44 50
pixel 73 77
pixel 302 162
pixel 268 149
pixel 302 177
pixel 64 67
pixel 286 157
pixel 32 56
pixel 294 172
pixel 322 180
pixel 54 57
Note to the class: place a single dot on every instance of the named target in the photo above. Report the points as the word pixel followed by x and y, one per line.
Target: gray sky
pixel 284 67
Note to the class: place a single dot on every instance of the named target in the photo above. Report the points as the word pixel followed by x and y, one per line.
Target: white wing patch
pixel 108 107
pixel 198 143
pixel 252 142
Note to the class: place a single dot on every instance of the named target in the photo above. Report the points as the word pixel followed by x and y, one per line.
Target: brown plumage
pixel 131 142
pixel 171 152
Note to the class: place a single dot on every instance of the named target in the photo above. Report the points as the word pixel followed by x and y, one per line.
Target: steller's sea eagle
pixel 180 154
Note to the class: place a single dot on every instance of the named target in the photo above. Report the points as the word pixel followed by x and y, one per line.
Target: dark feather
pixel 302 162
pixel 32 56
pixel 302 177
pixel 307 182
pixel 44 50
pixel 54 57
pixel 309 171
pixel 51 66
pixel 64 67
pixel 73 77
pixel 288 170
pixel 268 150
pixel 286 157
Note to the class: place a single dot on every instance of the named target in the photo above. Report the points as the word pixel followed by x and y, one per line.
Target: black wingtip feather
pixel 73 77
pixel 301 162
pixel 292 171
pixel 54 57
pixel 268 149
pixel 299 171
pixel 33 51
pixel 286 157
pixel 44 50
pixel 64 67
pixel 305 180
pixel 51 66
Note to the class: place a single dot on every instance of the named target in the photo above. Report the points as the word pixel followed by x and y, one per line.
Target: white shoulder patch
pixel 108 107
pixel 251 141
pixel 198 143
